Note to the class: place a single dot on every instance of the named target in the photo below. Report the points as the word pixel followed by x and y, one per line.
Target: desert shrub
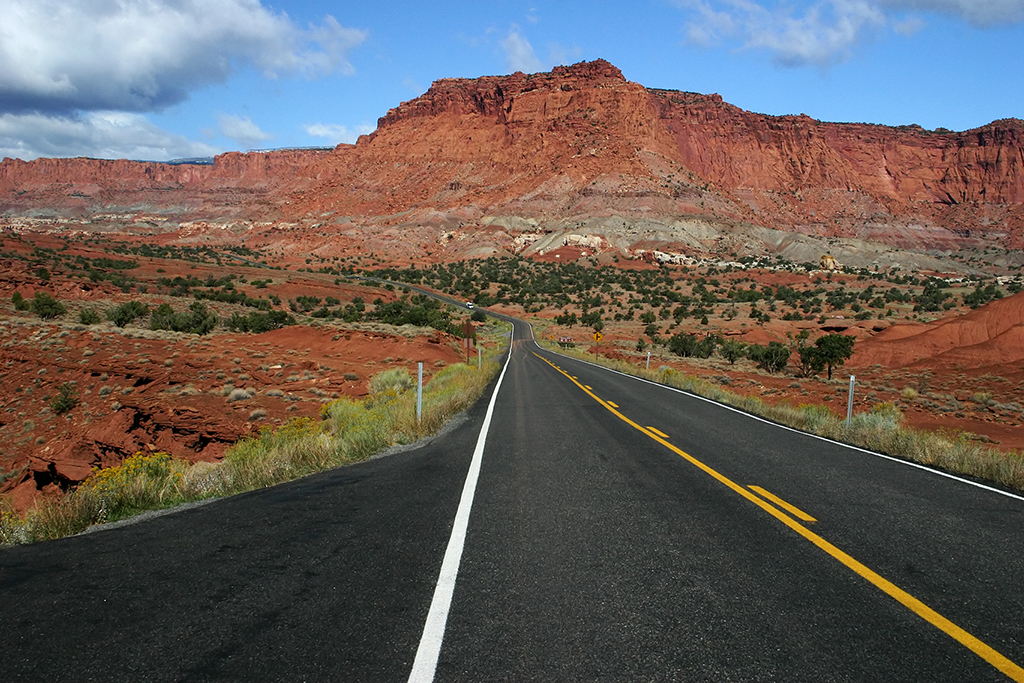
pixel 396 380
pixel 682 344
pixel 89 316
pixel 732 350
pixel 239 395
pixel 259 322
pixel 198 320
pixel 65 400
pixel 127 312
pixel 46 307
pixel 772 358
pixel 20 304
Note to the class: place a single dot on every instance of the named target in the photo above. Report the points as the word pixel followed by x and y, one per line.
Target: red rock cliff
pixel 582 139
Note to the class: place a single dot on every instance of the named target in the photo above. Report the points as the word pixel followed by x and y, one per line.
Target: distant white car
pixel 469 304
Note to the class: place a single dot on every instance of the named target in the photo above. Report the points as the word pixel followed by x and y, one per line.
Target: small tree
pixel 772 358
pixel 46 307
pixel 810 361
pixel 683 344
pixel 834 350
pixel 732 350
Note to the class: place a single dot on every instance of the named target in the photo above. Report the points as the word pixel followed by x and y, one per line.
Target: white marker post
pixel 419 394
pixel 648 361
pixel 479 358
pixel 849 402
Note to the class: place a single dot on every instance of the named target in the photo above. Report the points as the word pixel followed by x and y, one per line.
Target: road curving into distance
pixel 615 530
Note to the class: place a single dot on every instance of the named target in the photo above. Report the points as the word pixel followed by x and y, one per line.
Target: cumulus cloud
pixel 822 34
pixel 336 133
pixel 827 31
pixel 78 74
pixel 519 54
pixel 104 134
pixel 62 56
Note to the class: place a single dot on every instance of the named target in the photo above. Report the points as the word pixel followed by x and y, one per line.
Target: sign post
pixel 849 403
pixel 468 333
pixel 419 393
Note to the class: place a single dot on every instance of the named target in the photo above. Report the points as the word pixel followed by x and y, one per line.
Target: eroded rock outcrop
pixel 584 141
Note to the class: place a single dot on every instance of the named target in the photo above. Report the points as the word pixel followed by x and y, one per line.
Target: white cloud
pixel 826 31
pixel 336 133
pixel 825 34
pixel 822 34
pixel 69 66
pixel 519 54
pixel 62 56
pixel 978 12
pixel 909 26
pixel 242 130
pixel 107 135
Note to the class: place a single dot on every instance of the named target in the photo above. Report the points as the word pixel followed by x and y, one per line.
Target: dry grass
pixel 348 431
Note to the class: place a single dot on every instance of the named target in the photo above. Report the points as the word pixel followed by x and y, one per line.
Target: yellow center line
pixel 792 509
pixel 613 405
pixel 589 387
pixel 986 652
pixel 658 432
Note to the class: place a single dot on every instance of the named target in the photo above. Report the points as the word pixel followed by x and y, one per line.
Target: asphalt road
pixel 613 535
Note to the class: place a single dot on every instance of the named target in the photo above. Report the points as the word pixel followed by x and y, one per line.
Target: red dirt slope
pixel 993 335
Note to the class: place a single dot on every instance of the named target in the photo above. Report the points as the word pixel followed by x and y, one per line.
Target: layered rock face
pixel 583 141
pixel 90 185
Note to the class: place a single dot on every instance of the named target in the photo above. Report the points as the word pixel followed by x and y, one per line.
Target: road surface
pixel 618 530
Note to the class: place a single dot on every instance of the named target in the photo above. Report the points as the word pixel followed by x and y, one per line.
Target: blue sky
pixel 162 79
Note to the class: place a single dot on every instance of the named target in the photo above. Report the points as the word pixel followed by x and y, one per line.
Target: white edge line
pixel 901 461
pixel 425 664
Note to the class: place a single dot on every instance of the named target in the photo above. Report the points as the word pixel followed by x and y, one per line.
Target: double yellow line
pixel 990 655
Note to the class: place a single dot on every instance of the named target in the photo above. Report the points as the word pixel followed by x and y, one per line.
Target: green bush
pixel 198 320
pixel 19 302
pixel 732 350
pixel 46 307
pixel 65 400
pixel 690 345
pixel 772 358
pixel 127 312
pixel 257 323
pixel 89 316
